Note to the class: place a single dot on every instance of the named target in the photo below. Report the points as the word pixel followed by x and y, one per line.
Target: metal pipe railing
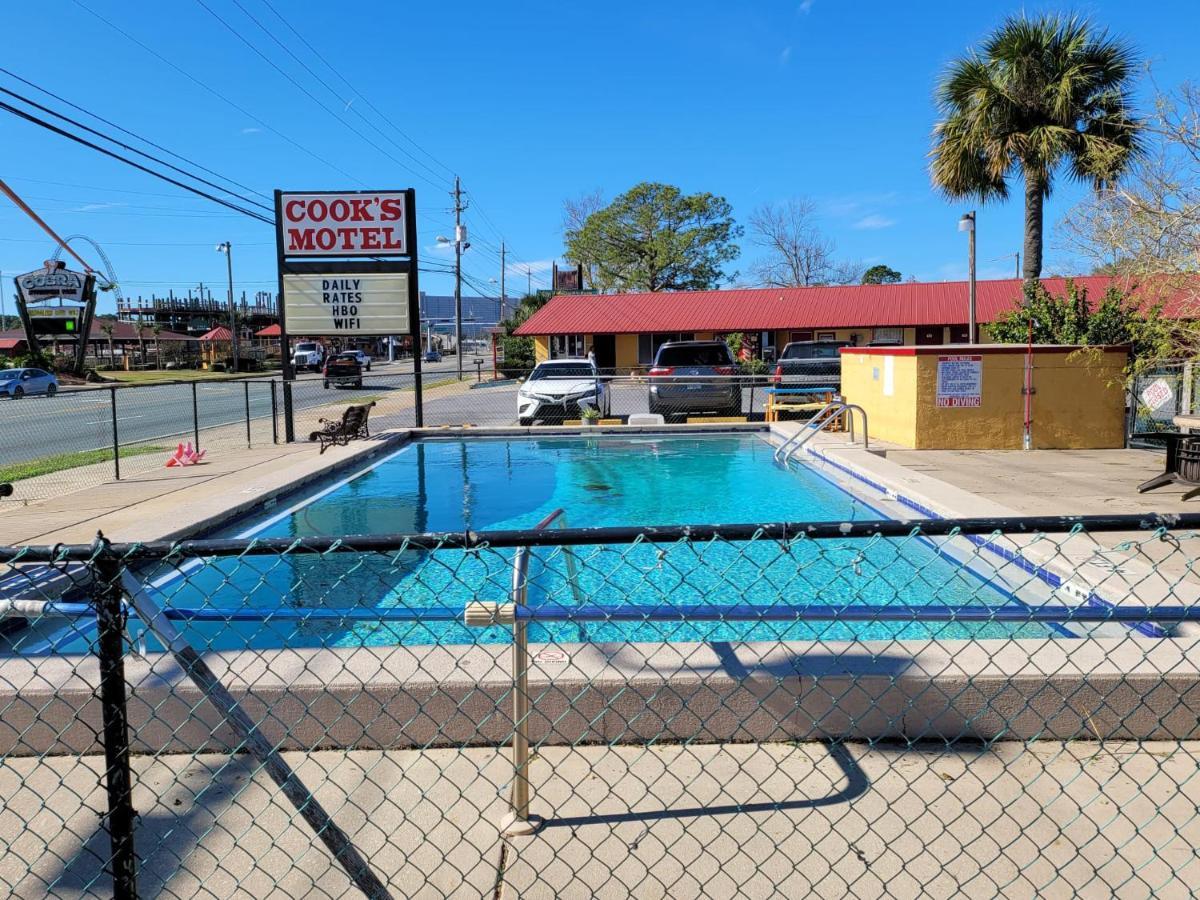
pixel 519 820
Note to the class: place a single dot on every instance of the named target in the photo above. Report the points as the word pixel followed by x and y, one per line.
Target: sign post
pixel 347 266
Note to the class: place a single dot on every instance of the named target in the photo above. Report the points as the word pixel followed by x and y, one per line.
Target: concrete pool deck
pixel 758 820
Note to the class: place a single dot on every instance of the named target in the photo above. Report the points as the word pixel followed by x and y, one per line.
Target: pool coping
pixel 363 698
pixel 1065 582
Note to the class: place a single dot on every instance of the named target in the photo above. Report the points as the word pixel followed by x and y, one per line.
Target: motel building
pixel 625 330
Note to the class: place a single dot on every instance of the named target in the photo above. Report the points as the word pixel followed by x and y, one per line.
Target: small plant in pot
pixel 590 415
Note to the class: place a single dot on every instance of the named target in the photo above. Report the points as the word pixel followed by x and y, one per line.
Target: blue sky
pixel 529 103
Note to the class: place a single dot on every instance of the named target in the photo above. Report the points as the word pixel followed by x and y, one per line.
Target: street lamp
pixel 227 248
pixel 967 224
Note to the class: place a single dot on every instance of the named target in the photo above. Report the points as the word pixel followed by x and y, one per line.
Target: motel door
pixel 605 347
pixel 930 334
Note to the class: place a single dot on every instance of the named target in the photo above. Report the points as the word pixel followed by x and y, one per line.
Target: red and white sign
pixel 370 223
pixel 960 381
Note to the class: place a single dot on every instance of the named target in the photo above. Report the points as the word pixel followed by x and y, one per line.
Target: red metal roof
pixel 122 332
pixel 220 333
pixel 766 309
pixel 269 331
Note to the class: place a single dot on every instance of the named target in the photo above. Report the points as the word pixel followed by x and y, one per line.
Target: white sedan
pixel 560 389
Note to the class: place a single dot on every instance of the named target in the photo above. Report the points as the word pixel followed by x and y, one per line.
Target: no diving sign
pixel 959 381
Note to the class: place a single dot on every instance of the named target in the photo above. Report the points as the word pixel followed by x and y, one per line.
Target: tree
pixel 107 329
pixel 798 253
pixel 1037 96
pixel 157 329
pixel 1117 319
pixel 1149 224
pixel 575 216
pixel 519 354
pixel 881 274
pixel 655 238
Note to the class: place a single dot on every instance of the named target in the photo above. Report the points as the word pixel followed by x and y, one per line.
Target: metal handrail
pixel 518 821
pixel 827 414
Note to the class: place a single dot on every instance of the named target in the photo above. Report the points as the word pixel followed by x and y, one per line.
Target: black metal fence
pixel 1000 707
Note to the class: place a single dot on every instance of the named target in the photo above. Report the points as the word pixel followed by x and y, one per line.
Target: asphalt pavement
pixel 82 419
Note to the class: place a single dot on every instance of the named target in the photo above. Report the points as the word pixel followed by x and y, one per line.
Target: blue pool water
pixel 480 484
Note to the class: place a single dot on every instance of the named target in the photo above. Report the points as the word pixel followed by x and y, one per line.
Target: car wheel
pixel 51 390
pixel 18 393
pixel 524 422
pixel 325 384
pixel 368 367
pixel 358 383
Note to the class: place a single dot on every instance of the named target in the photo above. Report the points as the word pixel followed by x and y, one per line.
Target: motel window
pixel 887 336
pixel 567 346
pixel 794 336
pixel 648 344
pixel 826 335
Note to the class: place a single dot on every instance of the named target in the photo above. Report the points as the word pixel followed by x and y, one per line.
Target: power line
pixel 215 92
pixel 129 162
pixel 317 53
pixel 131 149
pixel 309 94
pixel 327 87
pixel 111 124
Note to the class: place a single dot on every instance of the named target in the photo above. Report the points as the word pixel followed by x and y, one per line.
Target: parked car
pixel 694 377
pixel 558 389
pixel 342 370
pixel 362 358
pixel 432 356
pixel 810 364
pixel 17 383
pixel 309 355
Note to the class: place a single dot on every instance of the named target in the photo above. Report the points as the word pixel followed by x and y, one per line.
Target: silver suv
pixel 695 377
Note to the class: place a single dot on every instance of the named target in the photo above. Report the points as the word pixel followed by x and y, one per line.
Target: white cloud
pixel 92 207
pixel 251 131
pixel 805 7
pixel 785 55
pixel 874 222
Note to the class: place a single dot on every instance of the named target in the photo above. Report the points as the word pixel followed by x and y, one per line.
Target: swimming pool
pixel 493 483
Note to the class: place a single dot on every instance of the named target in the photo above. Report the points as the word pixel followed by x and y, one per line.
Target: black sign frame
pixel 355 265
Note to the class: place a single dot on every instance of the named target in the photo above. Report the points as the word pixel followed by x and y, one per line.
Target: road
pixel 82 419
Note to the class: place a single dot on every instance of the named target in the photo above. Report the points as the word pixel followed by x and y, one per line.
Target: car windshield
pixel 348 354
pixel 707 355
pixel 811 351
pixel 305 348
pixel 8 374
pixel 574 371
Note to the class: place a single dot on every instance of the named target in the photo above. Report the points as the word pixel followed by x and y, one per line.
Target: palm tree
pixel 1037 95
pixel 108 328
pixel 157 329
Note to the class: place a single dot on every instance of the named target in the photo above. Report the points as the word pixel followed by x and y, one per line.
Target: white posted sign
pixel 346 304
pixel 1159 397
pixel 959 381
pixel 347 224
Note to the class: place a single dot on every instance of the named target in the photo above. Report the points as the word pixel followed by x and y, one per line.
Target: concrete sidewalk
pixel 758 820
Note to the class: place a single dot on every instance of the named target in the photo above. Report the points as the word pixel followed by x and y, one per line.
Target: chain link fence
pixel 994 707
pixel 78 439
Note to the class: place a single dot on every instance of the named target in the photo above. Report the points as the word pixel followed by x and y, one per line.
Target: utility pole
pixel 502 268
pixel 227 248
pixel 458 249
pixel 4 318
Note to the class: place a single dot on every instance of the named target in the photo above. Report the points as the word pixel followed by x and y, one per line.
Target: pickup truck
pixel 342 370
pixel 810 364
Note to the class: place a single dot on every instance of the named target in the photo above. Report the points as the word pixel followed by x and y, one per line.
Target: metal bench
pixel 340 432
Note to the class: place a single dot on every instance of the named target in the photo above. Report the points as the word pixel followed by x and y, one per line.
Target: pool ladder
pixel 829 414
